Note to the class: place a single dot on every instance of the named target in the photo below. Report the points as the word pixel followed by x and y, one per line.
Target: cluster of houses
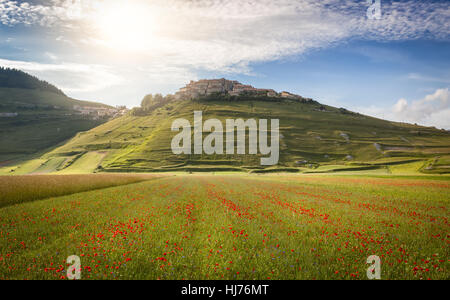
pixel 100 112
pixel 91 112
pixel 206 87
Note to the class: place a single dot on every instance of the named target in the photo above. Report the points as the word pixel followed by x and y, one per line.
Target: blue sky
pixel 395 64
pixel 358 74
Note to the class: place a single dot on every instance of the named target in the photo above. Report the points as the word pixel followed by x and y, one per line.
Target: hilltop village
pixel 206 87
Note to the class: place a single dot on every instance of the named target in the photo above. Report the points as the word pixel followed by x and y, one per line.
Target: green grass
pixel 19 189
pixel 87 163
pixel 142 144
pixel 50 165
pixel 17 99
pixel 21 169
pixel 39 124
pixel 234 227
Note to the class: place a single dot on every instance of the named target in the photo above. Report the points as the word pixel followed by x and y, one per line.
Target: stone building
pixel 99 112
pixel 207 87
pixel 288 95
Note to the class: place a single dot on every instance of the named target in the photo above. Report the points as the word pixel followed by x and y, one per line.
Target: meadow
pixel 235 226
pixel 19 189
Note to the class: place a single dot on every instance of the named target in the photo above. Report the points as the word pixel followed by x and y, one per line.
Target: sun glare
pixel 125 26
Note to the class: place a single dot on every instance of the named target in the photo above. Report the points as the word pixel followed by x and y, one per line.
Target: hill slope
pixel 314 138
pixel 35 115
pixel 13 78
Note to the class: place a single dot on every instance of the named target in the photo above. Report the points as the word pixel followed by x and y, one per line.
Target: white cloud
pixel 425 110
pixel 432 110
pixel 51 55
pixel 179 37
pixel 420 77
pixel 227 35
pixel 400 106
pixel 69 77
pixel 118 86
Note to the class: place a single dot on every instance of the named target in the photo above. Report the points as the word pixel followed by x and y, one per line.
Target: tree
pixel 12 78
pixel 169 98
pixel 147 101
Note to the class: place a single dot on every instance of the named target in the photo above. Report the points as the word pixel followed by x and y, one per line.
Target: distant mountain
pixel 314 138
pixel 13 78
pixel 36 115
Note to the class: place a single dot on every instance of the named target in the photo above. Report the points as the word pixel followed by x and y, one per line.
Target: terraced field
pixel 45 120
pixel 314 138
pixel 234 227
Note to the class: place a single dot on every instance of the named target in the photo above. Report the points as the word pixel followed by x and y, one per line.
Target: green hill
pixel 314 138
pixel 35 115
pixel 13 78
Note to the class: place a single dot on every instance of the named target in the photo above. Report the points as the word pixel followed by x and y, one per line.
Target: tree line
pixel 13 78
pixel 151 102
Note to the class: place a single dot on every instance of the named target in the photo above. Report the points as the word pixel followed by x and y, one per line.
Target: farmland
pixel 19 189
pixel 311 140
pixel 234 226
pixel 45 120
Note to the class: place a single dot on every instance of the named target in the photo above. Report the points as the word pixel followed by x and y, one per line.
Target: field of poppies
pixel 234 227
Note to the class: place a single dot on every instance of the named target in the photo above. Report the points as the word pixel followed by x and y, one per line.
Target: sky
pixel 389 59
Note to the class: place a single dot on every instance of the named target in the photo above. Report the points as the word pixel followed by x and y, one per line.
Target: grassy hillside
pixel 17 99
pixel 44 120
pixel 314 138
pixel 13 78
